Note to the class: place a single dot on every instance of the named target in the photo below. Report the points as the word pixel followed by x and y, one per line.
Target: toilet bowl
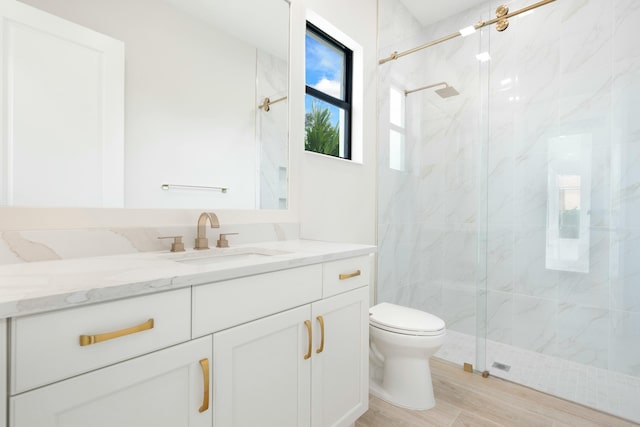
pixel 401 341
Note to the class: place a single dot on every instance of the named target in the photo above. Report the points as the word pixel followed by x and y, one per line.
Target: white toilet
pixel 401 341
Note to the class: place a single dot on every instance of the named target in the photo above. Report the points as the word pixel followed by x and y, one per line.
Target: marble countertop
pixel 36 287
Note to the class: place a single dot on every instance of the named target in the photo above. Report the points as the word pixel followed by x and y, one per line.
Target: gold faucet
pixel 201 237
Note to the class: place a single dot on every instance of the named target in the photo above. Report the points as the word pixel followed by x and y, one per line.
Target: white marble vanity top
pixel 35 287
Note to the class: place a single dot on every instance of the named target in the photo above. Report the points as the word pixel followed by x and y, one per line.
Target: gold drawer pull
pixel 94 339
pixel 321 321
pixel 204 363
pixel 307 323
pixel 350 275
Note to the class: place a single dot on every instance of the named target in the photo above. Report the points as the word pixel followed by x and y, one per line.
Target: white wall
pixel 338 197
pixel 332 199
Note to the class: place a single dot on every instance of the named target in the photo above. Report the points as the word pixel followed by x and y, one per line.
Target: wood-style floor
pixel 464 399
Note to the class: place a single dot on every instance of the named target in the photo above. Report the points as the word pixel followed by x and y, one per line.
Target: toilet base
pixel 414 391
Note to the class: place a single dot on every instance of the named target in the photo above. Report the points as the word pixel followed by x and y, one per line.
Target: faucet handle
pixel 222 241
pixel 177 245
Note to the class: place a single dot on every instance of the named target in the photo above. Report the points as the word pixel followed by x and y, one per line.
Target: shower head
pixel 448 91
pixel 445 92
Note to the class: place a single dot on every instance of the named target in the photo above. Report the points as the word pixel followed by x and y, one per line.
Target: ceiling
pixel 429 11
pixel 266 27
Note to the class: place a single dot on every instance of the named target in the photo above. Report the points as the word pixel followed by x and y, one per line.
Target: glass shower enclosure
pixel 511 208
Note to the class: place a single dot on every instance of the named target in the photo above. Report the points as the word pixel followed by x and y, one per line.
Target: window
pixel 328 100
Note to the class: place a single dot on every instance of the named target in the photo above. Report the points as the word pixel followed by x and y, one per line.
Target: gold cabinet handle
pixel 350 275
pixel 94 339
pixel 307 323
pixel 321 321
pixel 204 363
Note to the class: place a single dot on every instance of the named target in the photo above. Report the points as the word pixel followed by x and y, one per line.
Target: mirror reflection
pixel 145 104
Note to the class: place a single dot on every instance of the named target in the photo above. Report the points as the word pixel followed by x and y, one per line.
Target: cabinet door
pixel 261 376
pixel 340 373
pixel 3 372
pixel 162 389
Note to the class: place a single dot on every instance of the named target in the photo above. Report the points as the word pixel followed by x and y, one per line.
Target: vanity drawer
pixel 222 305
pixel 345 275
pixel 53 346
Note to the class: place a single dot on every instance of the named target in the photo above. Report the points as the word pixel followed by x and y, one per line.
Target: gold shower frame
pixel 501 20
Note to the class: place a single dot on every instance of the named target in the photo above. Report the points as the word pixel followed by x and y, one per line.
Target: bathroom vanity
pixel 275 335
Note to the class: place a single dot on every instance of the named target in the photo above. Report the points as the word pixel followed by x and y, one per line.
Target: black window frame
pixel 347 103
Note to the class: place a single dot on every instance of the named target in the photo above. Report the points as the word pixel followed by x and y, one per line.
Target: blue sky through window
pixel 324 71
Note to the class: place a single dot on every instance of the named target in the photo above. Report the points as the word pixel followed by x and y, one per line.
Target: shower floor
pixel 601 389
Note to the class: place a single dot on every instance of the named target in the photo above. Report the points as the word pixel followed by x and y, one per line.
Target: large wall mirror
pixel 145 103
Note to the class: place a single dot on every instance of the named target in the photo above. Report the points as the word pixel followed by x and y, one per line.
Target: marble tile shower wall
pixel 272 131
pixel 567 71
pixel 428 212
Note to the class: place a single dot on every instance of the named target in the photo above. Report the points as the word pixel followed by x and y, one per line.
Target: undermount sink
pixel 221 258
pixel 217 255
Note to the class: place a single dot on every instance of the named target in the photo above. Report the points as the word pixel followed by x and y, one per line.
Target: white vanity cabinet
pixel 3 372
pixel 307 366
pixel 167 388
pixel 111 364
pixel 260 375
pixel 340 372
pixel 282 348
pixel 48 347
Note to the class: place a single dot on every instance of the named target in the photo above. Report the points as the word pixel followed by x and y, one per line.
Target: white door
pixel 167 388
pixel 61 112
pixel 340 374
pixel 262 378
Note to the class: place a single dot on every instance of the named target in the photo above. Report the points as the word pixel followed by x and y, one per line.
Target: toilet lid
pixel 405 320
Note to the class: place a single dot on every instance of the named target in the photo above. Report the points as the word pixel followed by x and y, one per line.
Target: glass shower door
pixel 561 219
pixel 430 218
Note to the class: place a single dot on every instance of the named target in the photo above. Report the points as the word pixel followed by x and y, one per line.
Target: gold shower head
pixel 448 91
pixel 445 92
